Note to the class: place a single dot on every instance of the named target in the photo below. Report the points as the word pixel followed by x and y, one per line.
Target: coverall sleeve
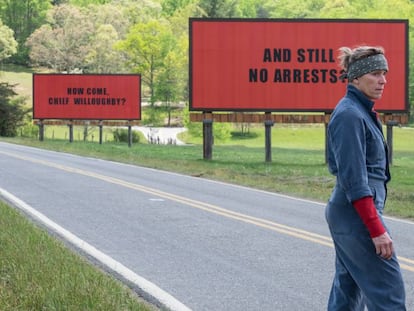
pixel 347 137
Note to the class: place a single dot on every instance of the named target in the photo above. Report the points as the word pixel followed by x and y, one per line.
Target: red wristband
pixel 366 210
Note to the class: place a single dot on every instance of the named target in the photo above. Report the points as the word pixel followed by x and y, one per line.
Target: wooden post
pixel 268 136
pixel 70 125
pixel 41 130
pixel 129 135
pixel 390 143
pixel 326 122
pixel 100 131
pixel 207 135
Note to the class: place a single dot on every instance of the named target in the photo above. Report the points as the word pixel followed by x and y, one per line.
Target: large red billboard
pixel 288 65
pixel 87 96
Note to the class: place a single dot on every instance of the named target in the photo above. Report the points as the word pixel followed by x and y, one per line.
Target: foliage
pixel 100 59
pixel 170 7
pixel 121 135
pixel 218 8
pixel 88 2
pixel 8 46
pixel 222 131
pixel 23 17
pixel 12 110
pixel 28 129
pixel 146 46
pixel 62 42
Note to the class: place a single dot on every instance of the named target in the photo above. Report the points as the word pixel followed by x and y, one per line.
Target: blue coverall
pixel 357 156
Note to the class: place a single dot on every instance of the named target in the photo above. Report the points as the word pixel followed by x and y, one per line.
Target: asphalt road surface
pixel 199 244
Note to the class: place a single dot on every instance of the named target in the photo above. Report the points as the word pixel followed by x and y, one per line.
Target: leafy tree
pixel 23 17
pixel 110 24
pixel 62 43
pixel 179 27
pixel 247 8
pixel 168 86
pixel 12 110
pixel 169 7
pixel 140 11
pixel 8 46
pixel 115 15
pixel 146 46
pixel 102 57
pixel 87 2
pixel 294 8
pixel 219 8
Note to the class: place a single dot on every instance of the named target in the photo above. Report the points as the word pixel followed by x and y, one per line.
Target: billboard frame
pixel 80 117
pixel 403 107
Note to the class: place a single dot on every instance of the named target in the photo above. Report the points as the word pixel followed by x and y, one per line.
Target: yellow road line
pixel 406 263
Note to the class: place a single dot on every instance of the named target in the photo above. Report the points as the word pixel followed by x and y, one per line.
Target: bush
pixel 12 110
pixel 29 130
pixel 121 135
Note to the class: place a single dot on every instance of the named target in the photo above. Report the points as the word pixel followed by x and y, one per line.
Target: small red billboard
pixel 288 65
pixel 87 96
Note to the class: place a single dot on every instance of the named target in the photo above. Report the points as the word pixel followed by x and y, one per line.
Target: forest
pixel 150 37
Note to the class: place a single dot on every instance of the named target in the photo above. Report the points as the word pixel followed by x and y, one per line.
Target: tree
pixel 169 7
pixel 168 86
pixel 140 11
pixel 102 57
pixel 12 110
pixel 87 2
pixel 110 24
pixel 219 8
pixel 146 46
pixel 23 17
pixel 8 46
pixel 63 43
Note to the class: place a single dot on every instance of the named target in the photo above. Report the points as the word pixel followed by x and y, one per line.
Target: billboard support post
pixel 70 125
pixel 41 130
pixel 207 135
pixel 129 135
pixel 326 121
pixel 390 125
pixel 268 136
pixel 100 131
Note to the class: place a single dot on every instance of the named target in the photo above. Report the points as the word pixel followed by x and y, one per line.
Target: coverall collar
pixel 352 91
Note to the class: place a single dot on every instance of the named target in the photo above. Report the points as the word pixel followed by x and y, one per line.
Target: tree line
pixel 149 37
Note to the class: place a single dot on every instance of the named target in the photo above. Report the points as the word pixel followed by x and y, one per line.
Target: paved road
pixel 210 245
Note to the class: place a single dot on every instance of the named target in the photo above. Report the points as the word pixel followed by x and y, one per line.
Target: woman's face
pixel 372 84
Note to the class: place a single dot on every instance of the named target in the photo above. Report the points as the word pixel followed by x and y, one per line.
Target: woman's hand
pixel 383 245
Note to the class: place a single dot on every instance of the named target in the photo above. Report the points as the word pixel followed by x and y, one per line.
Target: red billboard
pixel 87 96
pixel 287 65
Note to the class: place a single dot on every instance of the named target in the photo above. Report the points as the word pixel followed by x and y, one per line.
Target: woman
pixel 367 270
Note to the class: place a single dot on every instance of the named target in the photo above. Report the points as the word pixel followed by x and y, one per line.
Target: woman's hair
pixel 347 55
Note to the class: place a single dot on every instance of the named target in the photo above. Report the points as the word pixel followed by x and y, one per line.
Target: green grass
pixel 37 272
pixel 20 76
